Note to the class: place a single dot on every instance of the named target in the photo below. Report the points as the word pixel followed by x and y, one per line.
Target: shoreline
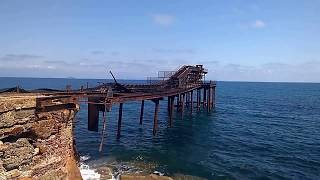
pixel 34 143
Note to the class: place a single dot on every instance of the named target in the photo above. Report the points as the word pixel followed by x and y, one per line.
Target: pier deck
pixel 181 88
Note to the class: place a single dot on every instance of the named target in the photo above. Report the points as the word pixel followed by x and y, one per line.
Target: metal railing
pixel 154 80
pixel 165 74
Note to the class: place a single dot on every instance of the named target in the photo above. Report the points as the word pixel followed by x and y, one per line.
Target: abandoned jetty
pixel 36 126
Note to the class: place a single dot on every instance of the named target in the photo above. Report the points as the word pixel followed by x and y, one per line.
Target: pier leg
pixel 187 99
pixel 171 110
pixel 213 97
pixel 93 117
pixel 204 97
pixel 141 111
pixel 198 99
pixel 119 120
pixel 182 102
pixel 155 119
pixel 104 115
pixel 209 98
pixel 178 102
pixel 191 101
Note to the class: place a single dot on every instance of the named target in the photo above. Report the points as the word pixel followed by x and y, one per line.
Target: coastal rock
pixel 3 147
pixel 73 171
pixel 44 129
pixel 25 178
pixel 42 147
pixel 26 174
pixel 17 154
pixel 2 169
pixel 9 103
pixel 105 172
pixel 12 174
pixel 149 177
pixel 186 177
pixel 36 151
pixel 11 118
pixel 36 143
pixel 14 131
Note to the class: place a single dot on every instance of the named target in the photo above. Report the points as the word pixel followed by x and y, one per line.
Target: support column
pixel 171 110
pixel 155 119
pixel 209 99
pixel 119 120
pixel 182 102
pixel 198 99
pixel 93 117
pixel 188 99
pixel 141 111
pixel 213 97
pixel 104 115
pixel 204 97
pixel 178 102
pixel 191 101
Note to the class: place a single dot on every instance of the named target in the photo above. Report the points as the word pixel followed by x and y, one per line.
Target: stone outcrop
pixel 36 144
pixel 148 177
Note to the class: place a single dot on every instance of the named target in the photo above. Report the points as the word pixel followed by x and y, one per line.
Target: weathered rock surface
pixel 149 177
pixel 36 144
pixel 10 103
pixel 11 118
pixel 17 154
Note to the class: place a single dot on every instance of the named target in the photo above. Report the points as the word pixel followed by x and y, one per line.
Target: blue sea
pixel 256 131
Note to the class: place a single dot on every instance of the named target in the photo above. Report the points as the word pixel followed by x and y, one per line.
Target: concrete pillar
pixel 119 120
pixel 141 111
pixel 155 119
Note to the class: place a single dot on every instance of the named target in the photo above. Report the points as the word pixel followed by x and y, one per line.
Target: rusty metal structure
pixel 181 88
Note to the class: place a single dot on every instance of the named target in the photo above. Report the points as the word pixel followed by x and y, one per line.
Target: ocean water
pixel 257 131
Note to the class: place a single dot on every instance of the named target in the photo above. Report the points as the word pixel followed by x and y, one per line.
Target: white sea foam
pixel 158 173
pixel 84 158
pixel 87 173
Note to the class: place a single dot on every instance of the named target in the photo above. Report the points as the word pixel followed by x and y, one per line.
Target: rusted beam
pixel 187 99
pixel 209 99
pixel 171 110
pixel 93 117
pixel 182 102
pixel 141 111
pixel 191 103
pixel 204 97
pixel 104 115
pixel 178 102
pixel 198 99
pixel 155 118
pixel 213 97
pixel 119 120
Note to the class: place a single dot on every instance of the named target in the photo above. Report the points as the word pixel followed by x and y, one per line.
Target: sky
pixel 236 40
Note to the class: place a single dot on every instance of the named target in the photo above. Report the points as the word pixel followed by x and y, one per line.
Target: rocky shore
pixel 33 144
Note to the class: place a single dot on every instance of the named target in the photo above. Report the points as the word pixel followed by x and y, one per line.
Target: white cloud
pixel 259 24
pixel 18 57
pixel 163 19
pixel 51 67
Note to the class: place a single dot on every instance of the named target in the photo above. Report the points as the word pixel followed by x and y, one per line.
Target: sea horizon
pixel 110 79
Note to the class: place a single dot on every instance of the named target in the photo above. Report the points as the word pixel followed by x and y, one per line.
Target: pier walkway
pixel 181 88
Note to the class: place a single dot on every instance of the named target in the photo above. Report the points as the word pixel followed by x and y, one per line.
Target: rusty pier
pixel 184 89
